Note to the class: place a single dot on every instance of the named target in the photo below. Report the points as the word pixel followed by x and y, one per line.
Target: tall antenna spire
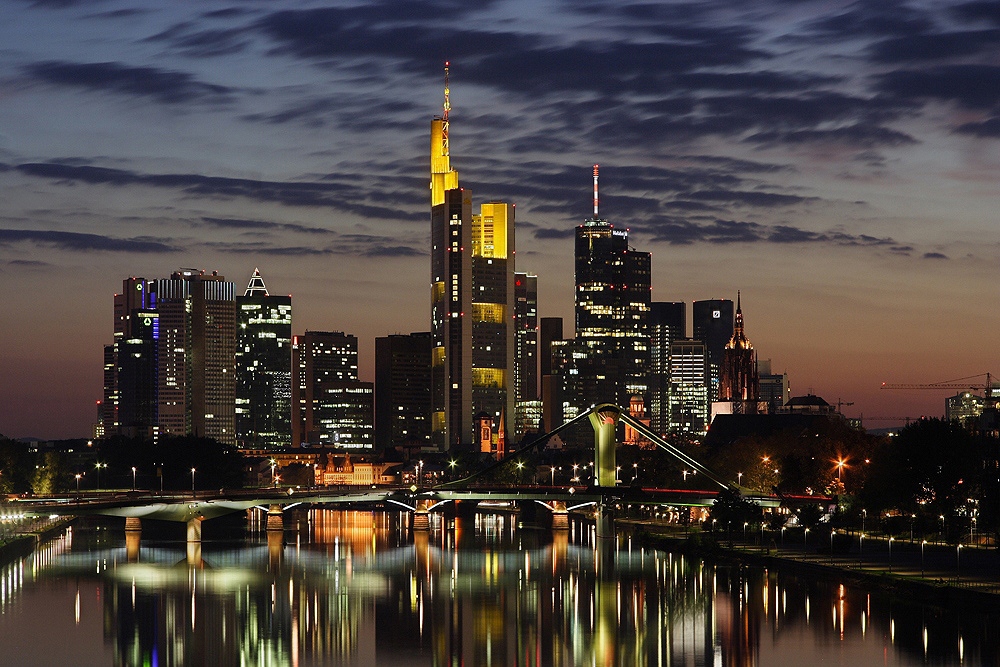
pixel 447 107
pixel 595 191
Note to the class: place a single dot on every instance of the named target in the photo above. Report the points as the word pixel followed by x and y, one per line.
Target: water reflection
pixel 360 588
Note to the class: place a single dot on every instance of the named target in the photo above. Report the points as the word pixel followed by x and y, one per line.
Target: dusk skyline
pixel 836 162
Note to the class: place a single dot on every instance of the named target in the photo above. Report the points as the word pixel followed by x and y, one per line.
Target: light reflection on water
pixel 360 588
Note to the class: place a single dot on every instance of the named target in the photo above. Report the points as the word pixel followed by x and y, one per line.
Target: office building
pixel 263 367
pixel 197 352
pixel 713 325
pixel 526 336
pixel 330 407
pixel 550 329
pixel 667 323
pixel 472 302
pixel 774 388
pixel 612 314
pixel 689 402
pixel 403 390
pixel 171 368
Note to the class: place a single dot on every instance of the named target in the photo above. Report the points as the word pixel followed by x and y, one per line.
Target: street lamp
pixel 99 466
pixel 618 469
pixel 890 554
pixel 78 476
pixel 192 480
pixel 273 463
pixel 576 475
pixel 941 539
pixel 958 562
pixel 133 478
pixel 552 470
pixel 635 471
pixel 864 515
pixel 923 544
pixel 739 478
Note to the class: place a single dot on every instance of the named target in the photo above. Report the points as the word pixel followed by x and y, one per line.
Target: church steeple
pixel 256 286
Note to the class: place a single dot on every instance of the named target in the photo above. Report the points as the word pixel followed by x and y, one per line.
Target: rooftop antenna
pixel 595 189
pixel 447 107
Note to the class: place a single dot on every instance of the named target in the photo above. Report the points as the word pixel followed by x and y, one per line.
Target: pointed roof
pixel 739 339
pixel 256 286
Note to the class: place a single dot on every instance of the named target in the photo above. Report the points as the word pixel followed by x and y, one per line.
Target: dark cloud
pixel 120 13
pixel 164 86
pixel 988 128
pixel 679 231
pixel 979 10
pixel 758 199
pixel 935 255
pixel 544 233
pixel 28 264
pixel 394 251
pixel 263 225
pixel 266 249
pixel 869 19
pixel 972 86
pixel 190 39
pixel 914 48
pixel 327 194
pixel 864 136
pixel 77 241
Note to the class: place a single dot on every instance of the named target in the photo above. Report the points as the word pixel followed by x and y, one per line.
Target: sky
pixel 836 162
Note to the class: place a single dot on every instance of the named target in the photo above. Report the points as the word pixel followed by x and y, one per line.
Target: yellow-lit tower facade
pixel 472 296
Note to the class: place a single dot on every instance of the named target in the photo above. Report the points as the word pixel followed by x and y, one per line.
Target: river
pixel 358 588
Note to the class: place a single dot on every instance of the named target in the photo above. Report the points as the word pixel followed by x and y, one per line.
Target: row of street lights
pixel 78 476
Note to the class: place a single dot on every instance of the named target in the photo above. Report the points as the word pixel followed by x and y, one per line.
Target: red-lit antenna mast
pixel 595 191
pixel 447 107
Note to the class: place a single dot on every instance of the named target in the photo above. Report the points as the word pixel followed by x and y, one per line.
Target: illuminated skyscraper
pixel 171 368
pixel 196 345
pixel 330 406
pixel 263 367
pixel 689 402
pixel 612 314
pixel 472 301
pixel 667 323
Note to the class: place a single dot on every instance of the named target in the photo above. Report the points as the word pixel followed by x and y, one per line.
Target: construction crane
pixel 841 402
pixel 957 383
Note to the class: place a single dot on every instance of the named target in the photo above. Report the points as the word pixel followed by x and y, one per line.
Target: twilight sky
pixel 838 162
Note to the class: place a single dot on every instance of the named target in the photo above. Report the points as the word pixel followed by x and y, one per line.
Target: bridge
pixel 193 508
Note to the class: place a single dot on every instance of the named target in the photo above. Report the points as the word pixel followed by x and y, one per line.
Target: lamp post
pixel 805 538
pixel 78 476
pixel 552 475
pixel 133 478
pixel 941 536
pixel 576 475
pixel 864 515
pixel 890 555
pixel 958 562
pixel 273 463
pixel 618 469
pixel 739 478
pixel 923 544
pixel 635 471
pixel 913 517
pixel 192 480
pixel 99 466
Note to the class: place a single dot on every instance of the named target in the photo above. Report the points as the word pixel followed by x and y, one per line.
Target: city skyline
pixel 835 163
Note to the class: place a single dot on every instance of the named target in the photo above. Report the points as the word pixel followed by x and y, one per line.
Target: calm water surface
pixel 357 588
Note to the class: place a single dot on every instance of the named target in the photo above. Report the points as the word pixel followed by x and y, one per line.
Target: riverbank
pixel 919 571
pixel 25 541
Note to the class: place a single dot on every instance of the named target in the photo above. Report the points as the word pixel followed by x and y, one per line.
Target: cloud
pixel 934 255
pixel 864 136
pixel 325 194
pixel 972 86
pixel 77 241
pixel 244 224
pixel 189 39
pixel 914 48
pixel 160 85
pixel 679 231
pixel 28 264
pixel 869 19
pixel 989 128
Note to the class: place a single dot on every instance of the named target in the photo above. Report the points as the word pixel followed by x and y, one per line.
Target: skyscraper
pixel 330 406
pixel 472 300
pixel 403 390
pixel 526 336
pixel 738 378
pixel 171 368
pixel 263 367
pixel 713 325
pixel 689 402
pixel 196 369
pixel 612 314
pixel 667 323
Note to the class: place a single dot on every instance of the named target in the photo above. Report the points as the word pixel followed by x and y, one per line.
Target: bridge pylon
pixel 604 418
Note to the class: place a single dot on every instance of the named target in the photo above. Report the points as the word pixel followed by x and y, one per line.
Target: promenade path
pixel 934 564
